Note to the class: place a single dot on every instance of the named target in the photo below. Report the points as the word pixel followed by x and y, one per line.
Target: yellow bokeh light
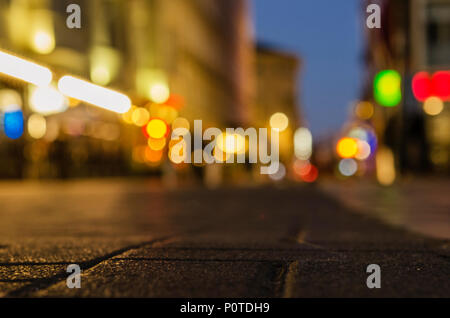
pixel 105 64
pixel 43 42
pixel 100 75
pixel 433 106
pixel 156 144
pixel 364 110
pixel 180 122
pixel 10 97
pixel 220 155
pixel 347 147
pixel 385 165
pixel 159 92
pixel 140 116
pixel 127 117
pixel 167 113
pixel 37 126
pixel 279 121
pixel 157 128
pixel 231 143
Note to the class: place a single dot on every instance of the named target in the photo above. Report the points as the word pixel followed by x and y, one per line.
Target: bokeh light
pixel 37 126
pixel 358 133
pixel 280 174
pixel 13 124
pixel 347 147
pixel 43 41
pixel 104 64
pixel 433 106
pixel 364 150
pixel 421 86
pixel 364 110
pixel 10 97
pixel 24 70
pixel 348 167
pixel 159 92
pixel 167 113
pixel 425 86
pixel 153 156
pixel 128 116
pixel 47 101
pixel 279 121
pixel 156 144
pixel 157 128
pixel 441 84
pixel 180 122
pixel 385 165
pixel 231 143
pixel 220 155
pixel 93 94
pixel 387 88
pixel 303 143
pixel 140 116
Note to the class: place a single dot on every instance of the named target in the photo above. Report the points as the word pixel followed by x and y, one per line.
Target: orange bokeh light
pixel 152 155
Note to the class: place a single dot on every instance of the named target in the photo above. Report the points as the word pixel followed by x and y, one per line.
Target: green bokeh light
pixel 387 88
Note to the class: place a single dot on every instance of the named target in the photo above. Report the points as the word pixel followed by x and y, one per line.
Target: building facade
pixel 414 37
pixel 199 50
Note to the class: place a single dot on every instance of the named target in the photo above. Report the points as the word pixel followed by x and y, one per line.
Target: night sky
pixel 327 35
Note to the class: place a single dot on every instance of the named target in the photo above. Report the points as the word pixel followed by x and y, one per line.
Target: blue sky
pixel 327 35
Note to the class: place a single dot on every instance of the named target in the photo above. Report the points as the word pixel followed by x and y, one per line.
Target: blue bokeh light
pixel 13 124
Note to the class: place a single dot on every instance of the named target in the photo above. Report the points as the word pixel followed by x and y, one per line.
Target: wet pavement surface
pixel 135 239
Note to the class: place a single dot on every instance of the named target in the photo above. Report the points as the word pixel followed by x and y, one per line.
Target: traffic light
pixel 387 88
pixel 425 86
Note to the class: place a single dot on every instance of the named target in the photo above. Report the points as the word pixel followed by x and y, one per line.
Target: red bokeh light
pixel 424 86
pixel 144 131
pixel 312 174
pixel 421 86
pixel 441 84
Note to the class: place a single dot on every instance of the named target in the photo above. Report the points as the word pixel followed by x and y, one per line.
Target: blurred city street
pixel 226 148
pixel 132 238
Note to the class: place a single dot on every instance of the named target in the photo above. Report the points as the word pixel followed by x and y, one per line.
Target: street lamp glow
pixel 94 94
pixel 47 101
pixel 43 42
pixel 303 143
pixel 231 143
pixel 279 121
pixel 24 70
pixel 159 92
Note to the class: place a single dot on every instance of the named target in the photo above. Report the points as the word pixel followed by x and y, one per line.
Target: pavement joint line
pixel 290 279
pixel 44 283
pixel 249 249
pixel 237 260
pixel 34 263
